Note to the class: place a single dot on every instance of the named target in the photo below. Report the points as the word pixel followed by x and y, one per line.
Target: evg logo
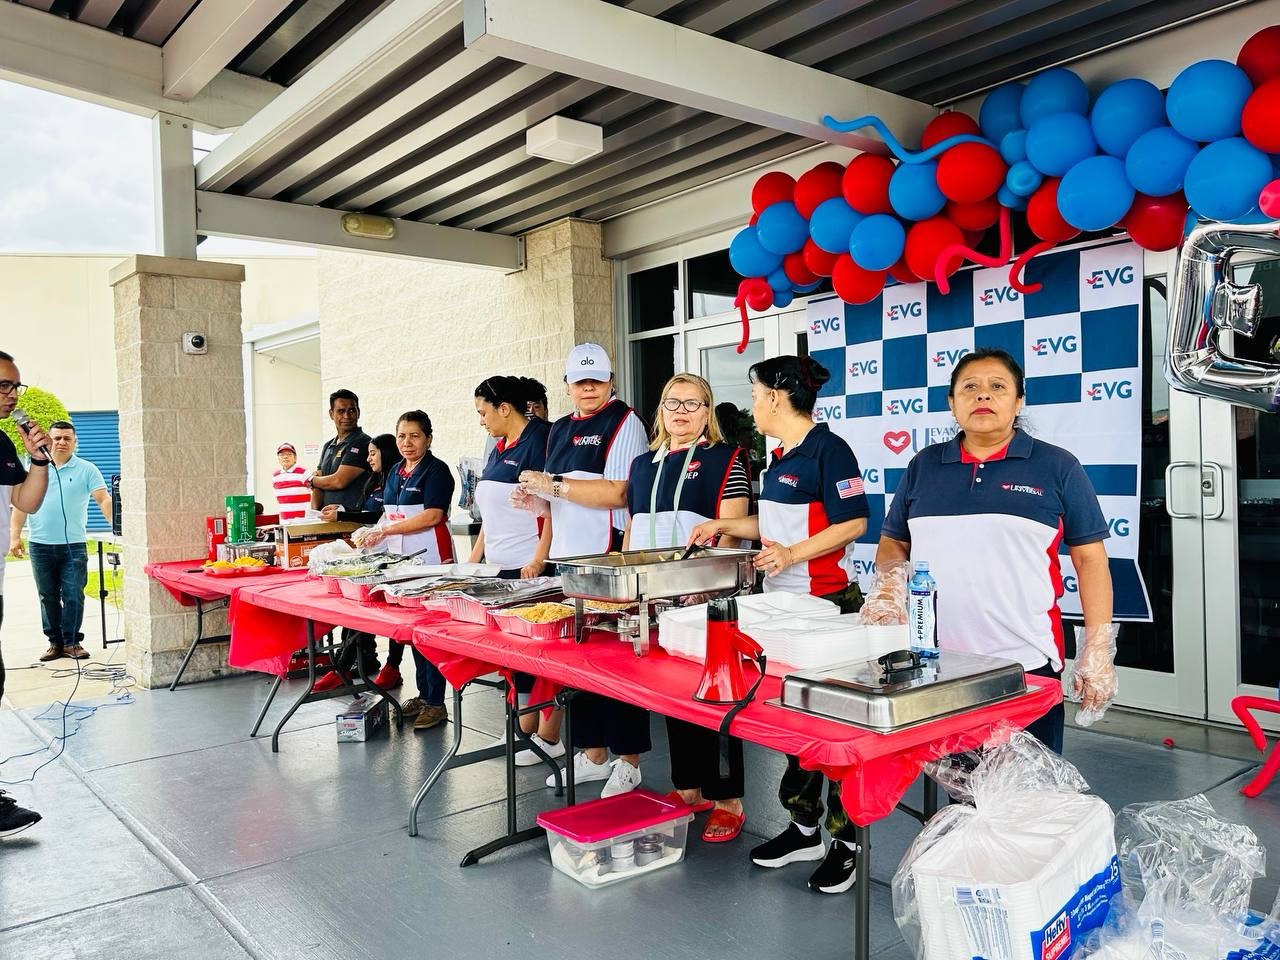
pixel 860 367
pixel 1111 390
pixel 1049 346
pixel 1100 279
pixel 901 311
pixel 948 358
pixel 993 295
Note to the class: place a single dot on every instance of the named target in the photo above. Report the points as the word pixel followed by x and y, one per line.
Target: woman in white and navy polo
pixel 690 475
pixel 589 455
pixel 812 509
pixel 988 511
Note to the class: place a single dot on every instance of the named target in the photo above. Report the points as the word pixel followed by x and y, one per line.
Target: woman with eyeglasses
pixel 688 476
pixel 812 509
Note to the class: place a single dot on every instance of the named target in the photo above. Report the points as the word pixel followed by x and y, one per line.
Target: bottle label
pixel 923 617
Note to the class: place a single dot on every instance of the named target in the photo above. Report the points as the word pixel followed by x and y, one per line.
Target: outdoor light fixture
pixel 368 226
pixel 564 140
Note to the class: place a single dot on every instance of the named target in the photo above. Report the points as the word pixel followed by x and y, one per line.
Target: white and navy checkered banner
pixel 1078 339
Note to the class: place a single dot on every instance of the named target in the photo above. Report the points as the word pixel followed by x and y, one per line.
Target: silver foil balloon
pixel 1207 304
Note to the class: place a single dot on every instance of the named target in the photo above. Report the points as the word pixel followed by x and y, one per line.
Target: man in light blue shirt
pixel 57 541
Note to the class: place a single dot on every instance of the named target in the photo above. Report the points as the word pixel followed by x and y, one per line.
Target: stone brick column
pixel 182 443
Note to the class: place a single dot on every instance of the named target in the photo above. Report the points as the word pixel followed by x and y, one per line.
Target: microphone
pixel 25 423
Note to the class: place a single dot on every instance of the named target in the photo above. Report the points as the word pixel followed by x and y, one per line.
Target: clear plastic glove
pixel 536 482
pixel 366 538
pixel 887 601
pixel 1092 682
pixel 528 501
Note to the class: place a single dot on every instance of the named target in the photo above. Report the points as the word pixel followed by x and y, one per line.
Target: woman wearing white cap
pixel 589 456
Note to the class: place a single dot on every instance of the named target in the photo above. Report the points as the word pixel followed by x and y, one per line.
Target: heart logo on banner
pixel 897 440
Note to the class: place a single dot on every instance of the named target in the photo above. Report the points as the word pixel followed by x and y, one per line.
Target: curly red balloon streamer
pixel 1015 271
pixel 965 252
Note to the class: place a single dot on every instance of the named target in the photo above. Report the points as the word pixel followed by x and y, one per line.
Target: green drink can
pixel 241 521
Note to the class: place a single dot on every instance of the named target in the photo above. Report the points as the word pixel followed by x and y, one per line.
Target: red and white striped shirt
pixel 291 491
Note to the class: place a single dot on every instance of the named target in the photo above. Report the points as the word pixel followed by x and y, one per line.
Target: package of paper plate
pixel 1022 874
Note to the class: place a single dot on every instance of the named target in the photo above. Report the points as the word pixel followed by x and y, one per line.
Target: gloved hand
pixel 527 501
pixel 887 601
pixel 1092 683
pixel 536 482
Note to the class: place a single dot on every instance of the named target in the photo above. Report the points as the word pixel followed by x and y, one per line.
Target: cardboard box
pixel 362 719
pixel 297 540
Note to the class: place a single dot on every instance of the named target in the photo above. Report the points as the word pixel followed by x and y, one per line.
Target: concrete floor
pixel 169 833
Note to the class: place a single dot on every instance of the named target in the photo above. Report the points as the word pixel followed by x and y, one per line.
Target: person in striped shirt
pixel 290 484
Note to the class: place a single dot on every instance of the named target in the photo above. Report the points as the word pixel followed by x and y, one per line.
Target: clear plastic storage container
pixel 604 841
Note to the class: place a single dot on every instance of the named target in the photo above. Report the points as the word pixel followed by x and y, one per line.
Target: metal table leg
pixel 271 696
pixel 445 762
pixel 200 638
pixel 862 895
pixel 368 684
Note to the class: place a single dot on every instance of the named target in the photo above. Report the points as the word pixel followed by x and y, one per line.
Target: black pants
pixel 695 761
pixel 601 722
pixel 1 652
pixel 357 642
pixel 1049 728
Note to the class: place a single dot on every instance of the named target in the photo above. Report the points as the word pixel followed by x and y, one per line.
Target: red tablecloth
pixel 875 769
pixel 269 621
pixel 188 583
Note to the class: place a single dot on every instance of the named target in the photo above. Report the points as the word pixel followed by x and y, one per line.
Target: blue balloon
pixel 1206 98
pixel 1125 111
pixel 1023 179
pixel 1013 148
pixel 1007 198
pixel 807 288
pixel 779 281
pixel 1057 142
pixel 877 242
pixel 831 224
pixel 782 298
pixel 781 228
pixel 1095 194
pixel 1054 91
pixel 749 258
pixel 1158 160
pixel 1225 178
pixel 914 193
pixel 1190 223
pixel 998 114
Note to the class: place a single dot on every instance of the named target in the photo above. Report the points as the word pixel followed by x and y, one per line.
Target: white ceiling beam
pixel 87 63
pixel 98 13
pixel 247 218
pixel 209 39
pixel 387 41
pixel 160 18
pixel 621 48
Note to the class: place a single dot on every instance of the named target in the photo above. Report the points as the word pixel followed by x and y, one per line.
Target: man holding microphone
pixel 25 491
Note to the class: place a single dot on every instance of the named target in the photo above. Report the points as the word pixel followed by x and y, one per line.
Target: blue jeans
pixel 430 680
pixel 61 572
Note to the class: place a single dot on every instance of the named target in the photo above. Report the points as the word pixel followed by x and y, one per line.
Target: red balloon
pixel 1269 200
pixel 1043 217
pixel 1261 117
pixel 797 271
pixel 902 273
pixel 925 242
pixel 752 221
pixel 970 172
pixel 759 295
pixel 866 183
pixel 982 215
pixel 853 284
pixel 1156 223
pixel 947 125
pixel 819 262
pixel 774 187
pixel 814 186
pixel 1260 56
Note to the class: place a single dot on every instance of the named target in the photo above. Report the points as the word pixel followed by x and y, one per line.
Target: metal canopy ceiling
pixel 441 138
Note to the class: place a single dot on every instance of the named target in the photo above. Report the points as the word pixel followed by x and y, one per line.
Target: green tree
pixel 42 407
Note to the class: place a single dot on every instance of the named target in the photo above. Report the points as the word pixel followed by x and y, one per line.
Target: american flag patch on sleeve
pixel 849 488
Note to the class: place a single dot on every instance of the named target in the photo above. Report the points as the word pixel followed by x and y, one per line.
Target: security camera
pixel 194 343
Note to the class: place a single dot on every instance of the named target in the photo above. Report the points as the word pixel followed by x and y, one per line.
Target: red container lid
pixel 608 817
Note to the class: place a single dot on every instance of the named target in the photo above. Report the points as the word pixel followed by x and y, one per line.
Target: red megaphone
pixel 722 677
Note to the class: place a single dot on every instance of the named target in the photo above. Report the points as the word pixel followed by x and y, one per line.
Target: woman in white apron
pixel 690 476
pixel 415 516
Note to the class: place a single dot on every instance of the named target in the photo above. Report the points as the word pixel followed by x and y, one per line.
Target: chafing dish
pixel 645 576
pixel 902 689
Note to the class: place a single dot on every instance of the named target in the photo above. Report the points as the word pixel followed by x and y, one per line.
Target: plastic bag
pixel 324 555
pixel 887 599
pixel 1091 681
pixel 1021 874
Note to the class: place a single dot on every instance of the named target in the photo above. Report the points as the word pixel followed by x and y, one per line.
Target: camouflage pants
pixel 801 793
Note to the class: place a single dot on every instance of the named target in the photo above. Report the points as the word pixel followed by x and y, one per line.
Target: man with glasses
pixel 24 490
pixel 57 540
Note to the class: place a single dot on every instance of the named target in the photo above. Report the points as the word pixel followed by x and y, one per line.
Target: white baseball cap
pixel 587 361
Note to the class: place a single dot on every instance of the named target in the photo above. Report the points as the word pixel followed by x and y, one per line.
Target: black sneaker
pixel 790 846
pixel 836 872
pixel 13 818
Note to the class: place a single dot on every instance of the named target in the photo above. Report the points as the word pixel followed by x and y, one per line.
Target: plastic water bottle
pixel 922 608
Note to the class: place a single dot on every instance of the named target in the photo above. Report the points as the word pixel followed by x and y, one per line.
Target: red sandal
pixel 699 807
pixel 723 819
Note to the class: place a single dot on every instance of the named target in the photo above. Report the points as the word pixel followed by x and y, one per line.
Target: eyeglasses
pixel 8 386
pixel 688 406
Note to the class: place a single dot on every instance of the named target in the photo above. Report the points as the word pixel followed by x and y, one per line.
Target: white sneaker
pixel 624 779
pixel 584 771
pixel 527 758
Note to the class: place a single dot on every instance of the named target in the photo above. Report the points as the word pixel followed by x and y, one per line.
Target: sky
pixel 76 177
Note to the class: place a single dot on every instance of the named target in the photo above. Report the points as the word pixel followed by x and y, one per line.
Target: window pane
pixel 713 284
pixel 653 297
pixel 653 361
